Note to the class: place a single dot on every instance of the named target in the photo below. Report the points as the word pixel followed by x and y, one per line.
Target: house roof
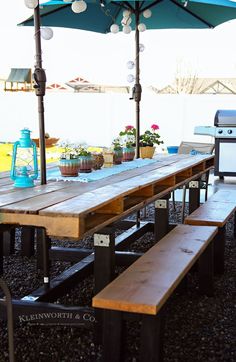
pixel 199 86
pixel 20 75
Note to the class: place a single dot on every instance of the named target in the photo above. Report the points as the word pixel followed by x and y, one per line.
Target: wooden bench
pixel 216 212
pixel 147 284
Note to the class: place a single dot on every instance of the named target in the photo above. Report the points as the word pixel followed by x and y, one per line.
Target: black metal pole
pixel 40 95
pixel 137 87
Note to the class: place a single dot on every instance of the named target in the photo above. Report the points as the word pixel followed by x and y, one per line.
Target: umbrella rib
pixel 194 15
pixel 150 5
pixel 122 5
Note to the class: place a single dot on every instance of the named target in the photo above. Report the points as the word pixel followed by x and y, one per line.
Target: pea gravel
pixel 198 328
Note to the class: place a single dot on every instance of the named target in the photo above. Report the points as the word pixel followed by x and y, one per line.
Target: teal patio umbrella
pixel 104 16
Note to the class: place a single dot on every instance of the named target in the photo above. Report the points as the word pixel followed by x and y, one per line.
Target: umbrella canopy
pixel 100 15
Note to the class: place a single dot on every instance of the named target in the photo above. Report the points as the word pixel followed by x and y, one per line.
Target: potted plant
pixel 98 160
pixel 69 162
pixel 85 159
pixel 147 140
pixel 117 151
pixel 128 136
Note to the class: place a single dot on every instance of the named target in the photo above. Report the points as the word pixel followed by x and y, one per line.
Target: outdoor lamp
pixel 114 28
pixel 141 27
pixel 31 4
pixel 79 6
pixel 130 64
pixel 127 29
pixel 141 48
pixel 24 167
pixel 46 33
pixel 147 13
pixel 130 78
pixel 126 13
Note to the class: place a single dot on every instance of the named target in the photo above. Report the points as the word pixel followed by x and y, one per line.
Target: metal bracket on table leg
pixel 161 218
pixel 194 195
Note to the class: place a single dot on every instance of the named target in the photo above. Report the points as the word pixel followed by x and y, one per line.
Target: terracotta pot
pixel 147 152
pixel 128 154
pixel 69 168
pixel 49 142
pixel 85 164
pixel 98 160
pixel 118 157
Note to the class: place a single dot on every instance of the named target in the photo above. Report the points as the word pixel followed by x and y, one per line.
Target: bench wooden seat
pixel 216 211
pixel 147 284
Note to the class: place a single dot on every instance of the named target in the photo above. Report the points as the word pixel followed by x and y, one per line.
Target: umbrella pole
pixel 137 87
pixel 40 80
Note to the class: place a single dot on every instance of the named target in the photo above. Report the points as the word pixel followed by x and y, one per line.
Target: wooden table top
pixel 74 209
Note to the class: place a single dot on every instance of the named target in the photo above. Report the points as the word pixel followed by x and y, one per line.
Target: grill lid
pixel 225 118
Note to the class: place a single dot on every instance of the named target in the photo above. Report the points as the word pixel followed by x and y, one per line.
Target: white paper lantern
pixel 79 6
pixel 130 78
pixel 147 13
pixel 126 21
pixel 126 13
pixel 141 47
pixel 127 29
pixel 141 27
pixel 130 64
pixel 46 33
pixel 114 28
pixel 31 4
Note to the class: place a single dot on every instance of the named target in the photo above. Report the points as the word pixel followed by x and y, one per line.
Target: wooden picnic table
pixel 74 209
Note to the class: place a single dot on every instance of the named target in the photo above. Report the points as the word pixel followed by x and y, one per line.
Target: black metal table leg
pixel 1 249
pixel 161 226
pixel 9 242
pixel 27 241
pixel 104 269
pixel 194 195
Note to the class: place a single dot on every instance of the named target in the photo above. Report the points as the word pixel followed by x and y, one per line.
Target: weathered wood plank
pixel 211 213
pixel 146 285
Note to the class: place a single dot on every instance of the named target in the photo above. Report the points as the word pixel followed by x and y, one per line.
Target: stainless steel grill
pixel 225 141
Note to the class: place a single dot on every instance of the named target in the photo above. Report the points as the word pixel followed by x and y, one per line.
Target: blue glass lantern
pixel 24 167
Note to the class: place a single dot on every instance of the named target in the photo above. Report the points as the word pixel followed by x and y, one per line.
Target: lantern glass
pixel 24 168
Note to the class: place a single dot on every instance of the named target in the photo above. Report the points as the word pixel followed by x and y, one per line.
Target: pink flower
pixel 129 128
pixel 154 127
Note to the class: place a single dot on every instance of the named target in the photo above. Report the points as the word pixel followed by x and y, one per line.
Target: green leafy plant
pixel 82 151
pixel 128 136
pixel 117 144
pixel 150 137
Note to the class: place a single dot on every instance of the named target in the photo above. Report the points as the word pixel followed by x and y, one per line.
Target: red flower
pixel 154 127
pixel 129 128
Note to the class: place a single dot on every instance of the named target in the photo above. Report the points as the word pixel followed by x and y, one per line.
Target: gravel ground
pixel 198 328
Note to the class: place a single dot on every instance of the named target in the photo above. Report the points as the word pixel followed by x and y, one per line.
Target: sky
pixel 102 58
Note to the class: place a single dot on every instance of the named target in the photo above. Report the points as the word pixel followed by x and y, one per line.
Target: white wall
pixel 98 118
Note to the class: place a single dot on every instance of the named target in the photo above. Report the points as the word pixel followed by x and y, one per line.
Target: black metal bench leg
pixel 104 269
pixel 161 226
pixel 235 224
pixel 27 241
pixel 219 251
pixel 112 336
pixel 152 330
pixel 9 242
pixel 206 271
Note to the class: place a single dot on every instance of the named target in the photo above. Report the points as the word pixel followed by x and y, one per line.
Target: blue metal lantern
pixel 24 167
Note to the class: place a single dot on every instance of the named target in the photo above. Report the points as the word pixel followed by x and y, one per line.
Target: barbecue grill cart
pixel 225 141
